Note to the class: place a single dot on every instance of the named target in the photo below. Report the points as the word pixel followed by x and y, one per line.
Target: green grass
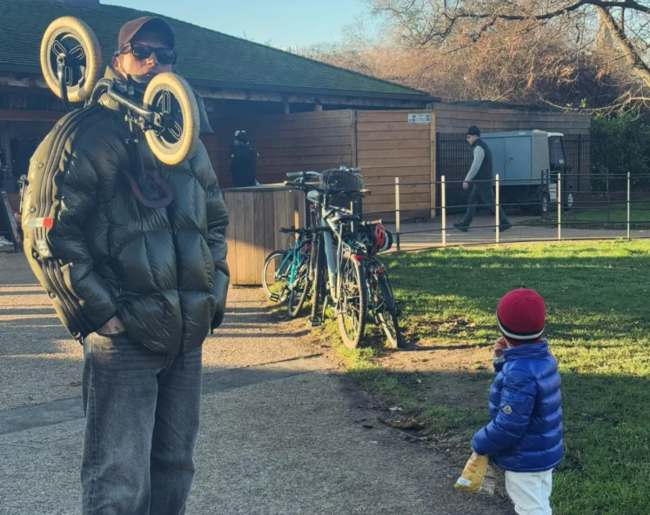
pixel 598 328
pixel 611 216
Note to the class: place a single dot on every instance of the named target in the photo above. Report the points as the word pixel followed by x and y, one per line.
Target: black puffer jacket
pixel 99 252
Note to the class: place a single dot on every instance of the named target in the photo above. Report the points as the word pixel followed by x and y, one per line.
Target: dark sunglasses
pixel 140 52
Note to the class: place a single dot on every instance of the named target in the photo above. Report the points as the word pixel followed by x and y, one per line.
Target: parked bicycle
pixel 285 275
pixel 334 261
pixel 336 266
pixel 382 306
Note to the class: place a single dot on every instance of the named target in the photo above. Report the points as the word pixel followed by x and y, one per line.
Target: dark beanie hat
pixel 521 315
pixel 473 131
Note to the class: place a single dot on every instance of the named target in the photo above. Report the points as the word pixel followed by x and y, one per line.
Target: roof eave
pixel 424 98
pixel 311 91
pixel 20 68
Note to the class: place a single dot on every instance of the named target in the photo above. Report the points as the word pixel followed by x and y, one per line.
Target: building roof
pixel 206 57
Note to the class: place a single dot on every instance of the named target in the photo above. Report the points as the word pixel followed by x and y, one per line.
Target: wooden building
pixel 385 144
pixel 301 114
pixel 235 76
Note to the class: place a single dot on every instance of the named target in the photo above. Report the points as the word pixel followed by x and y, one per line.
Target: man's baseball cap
pixel 152 23
pixel 473 131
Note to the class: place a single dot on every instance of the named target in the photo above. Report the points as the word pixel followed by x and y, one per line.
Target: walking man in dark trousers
pixel 479 179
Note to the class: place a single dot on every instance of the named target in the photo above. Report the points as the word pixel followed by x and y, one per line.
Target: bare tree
pixel 579 32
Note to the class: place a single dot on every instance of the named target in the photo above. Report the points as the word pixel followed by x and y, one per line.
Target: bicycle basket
pixel 336 178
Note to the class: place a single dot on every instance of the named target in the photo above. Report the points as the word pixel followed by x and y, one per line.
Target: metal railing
pixel 560 207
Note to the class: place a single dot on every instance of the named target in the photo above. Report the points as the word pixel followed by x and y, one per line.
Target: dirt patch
pixel 453 376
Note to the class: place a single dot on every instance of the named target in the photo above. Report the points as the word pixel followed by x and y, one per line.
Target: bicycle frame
pixel 295 264
pixel 290 255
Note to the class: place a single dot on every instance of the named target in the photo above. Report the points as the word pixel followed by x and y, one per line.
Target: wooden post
pixel 353 138
pixel 443 202
pixel 398 214
pixel 559 206
pixel 496 209
pixel 628 205
pixel 434 172
pixel 5 144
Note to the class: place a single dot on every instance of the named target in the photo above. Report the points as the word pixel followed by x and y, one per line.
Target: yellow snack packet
pixel 478 476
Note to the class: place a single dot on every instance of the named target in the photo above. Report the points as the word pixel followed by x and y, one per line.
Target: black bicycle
pixel 382 306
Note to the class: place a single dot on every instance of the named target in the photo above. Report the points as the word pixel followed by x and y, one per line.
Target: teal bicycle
pixel 285 276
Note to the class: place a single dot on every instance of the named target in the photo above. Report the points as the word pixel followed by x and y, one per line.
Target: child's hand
pixel 472 462
pixel 499 346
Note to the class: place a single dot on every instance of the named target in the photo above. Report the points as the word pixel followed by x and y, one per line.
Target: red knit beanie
pixel 521 315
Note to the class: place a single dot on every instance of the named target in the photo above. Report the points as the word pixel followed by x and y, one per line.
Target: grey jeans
pixel 481 193
pixel 142 421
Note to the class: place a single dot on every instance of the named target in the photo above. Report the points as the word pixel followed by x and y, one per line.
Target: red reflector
pixel 380 270
pixel 359 257
pixel 48 222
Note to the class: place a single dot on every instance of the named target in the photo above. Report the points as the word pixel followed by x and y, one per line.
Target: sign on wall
pixel 22 102
pixel 420 118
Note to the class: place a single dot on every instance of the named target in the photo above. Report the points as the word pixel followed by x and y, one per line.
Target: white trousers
pixel 530 491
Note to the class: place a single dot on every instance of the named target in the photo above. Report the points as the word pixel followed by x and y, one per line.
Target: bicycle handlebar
pixel 327 192
pixel 312 175
pixel 302 175
pixel 294 230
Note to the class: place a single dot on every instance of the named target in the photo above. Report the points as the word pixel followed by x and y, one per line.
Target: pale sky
pixel 280 23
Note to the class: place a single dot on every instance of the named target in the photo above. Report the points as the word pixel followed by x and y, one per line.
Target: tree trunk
pixel 631 55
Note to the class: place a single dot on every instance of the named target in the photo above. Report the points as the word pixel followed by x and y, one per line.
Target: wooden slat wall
pixel 388 147
pixel 455 118
pixel 255 221
pixel 286 143
pixel 382 143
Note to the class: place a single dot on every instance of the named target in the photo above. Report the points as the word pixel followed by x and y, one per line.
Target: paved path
pixel 282 431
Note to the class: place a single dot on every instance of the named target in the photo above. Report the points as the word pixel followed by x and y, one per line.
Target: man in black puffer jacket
pixel 138 282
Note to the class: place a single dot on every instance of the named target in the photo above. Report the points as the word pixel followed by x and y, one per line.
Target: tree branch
pixel 628 4
pixel 631 55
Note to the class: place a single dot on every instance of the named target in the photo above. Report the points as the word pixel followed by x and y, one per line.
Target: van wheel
pixel 569 200
pixel 545 204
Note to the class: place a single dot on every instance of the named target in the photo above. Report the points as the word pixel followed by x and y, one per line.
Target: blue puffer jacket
pixel 525 432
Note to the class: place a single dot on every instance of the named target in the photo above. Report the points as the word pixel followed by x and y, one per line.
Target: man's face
pixel 127 64
pixel 471 139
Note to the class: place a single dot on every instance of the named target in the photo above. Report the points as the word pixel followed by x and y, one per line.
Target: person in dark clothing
pixel 243 164
pixel 479 182
pixel 139 282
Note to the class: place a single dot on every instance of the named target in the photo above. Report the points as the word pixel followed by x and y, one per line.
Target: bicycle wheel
pixel 72 38
pixel 275 275
pixel 387 311
pixel 171 97
pixel 299 288
pixel 353 302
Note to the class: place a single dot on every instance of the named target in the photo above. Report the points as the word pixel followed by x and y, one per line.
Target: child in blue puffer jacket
pixel 524 436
